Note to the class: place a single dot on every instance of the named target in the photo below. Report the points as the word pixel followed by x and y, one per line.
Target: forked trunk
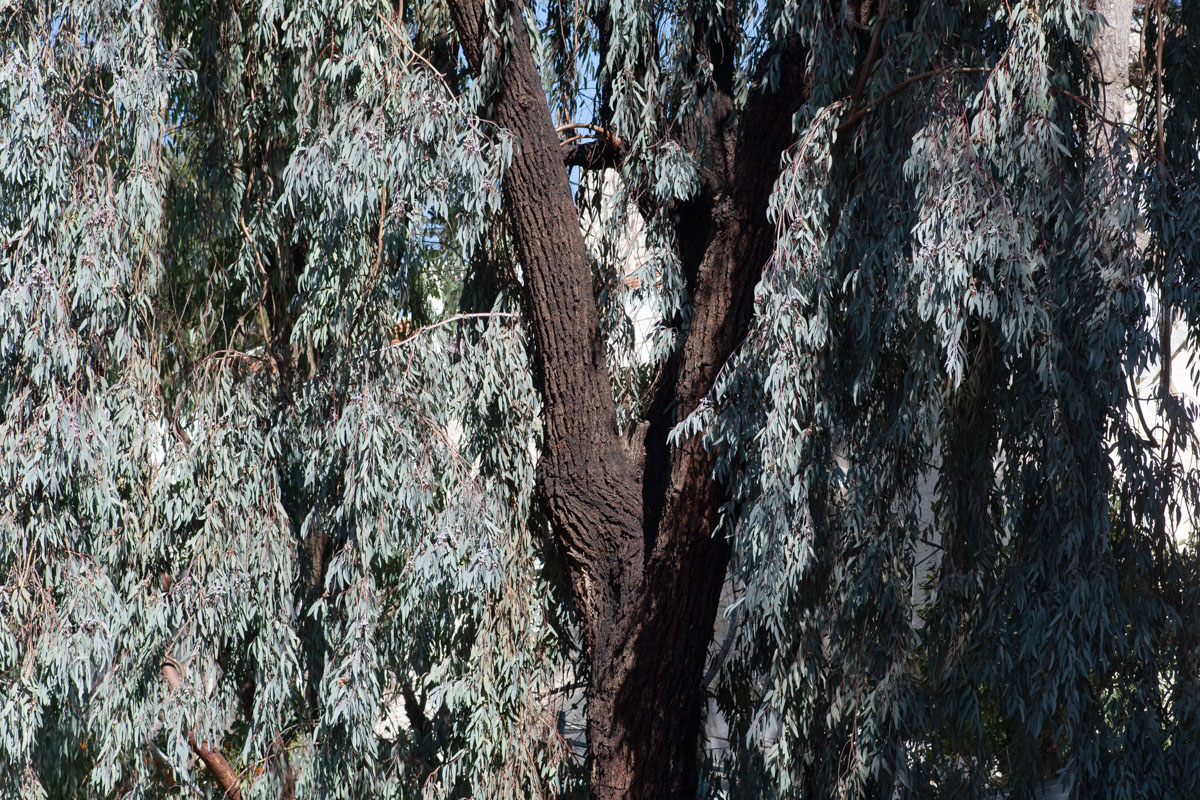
pixel 633 518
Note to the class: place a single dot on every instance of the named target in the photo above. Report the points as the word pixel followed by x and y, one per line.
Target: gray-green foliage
pixel 945 347
pixel 312 515
pixel 216 446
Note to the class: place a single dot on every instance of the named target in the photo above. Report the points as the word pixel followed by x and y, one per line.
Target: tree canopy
pixel 334 462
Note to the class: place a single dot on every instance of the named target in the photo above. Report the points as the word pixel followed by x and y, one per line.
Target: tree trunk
pixel 632 518
pixel 1111 59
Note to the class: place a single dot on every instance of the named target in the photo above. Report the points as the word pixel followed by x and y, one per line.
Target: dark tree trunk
pixel 633 519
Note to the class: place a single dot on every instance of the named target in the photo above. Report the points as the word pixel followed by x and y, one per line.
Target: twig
pixel 897 89
pixel 1158 99
pixel 443 322
pixel 16 239
pixel 472 119
pixel 379 236
pixel 219 355
pixel 370 286
pixel 1087 106
pixel 157 753
pixel 262 298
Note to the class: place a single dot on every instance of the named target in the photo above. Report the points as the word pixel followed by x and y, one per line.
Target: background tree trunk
pixel 1111 62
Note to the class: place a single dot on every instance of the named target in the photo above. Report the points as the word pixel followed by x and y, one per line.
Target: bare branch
pixel 442 322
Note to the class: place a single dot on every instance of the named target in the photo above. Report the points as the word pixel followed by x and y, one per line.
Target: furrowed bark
pixel 634 519
pixel 685 562
pixel 588 475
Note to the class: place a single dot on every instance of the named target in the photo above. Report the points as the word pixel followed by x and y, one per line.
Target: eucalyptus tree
pixel 327 469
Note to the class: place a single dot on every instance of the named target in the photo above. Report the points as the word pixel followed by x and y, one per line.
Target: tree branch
pixel 414 709
pixel 442 323
pixel 852 118
pixel 599 130
pixel 598 154
pixel 226 777
pixel 588 476
pixel 872 55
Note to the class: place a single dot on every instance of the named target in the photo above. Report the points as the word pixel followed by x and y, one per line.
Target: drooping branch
pixel 856 114
pixel 218 766
pixel 868 63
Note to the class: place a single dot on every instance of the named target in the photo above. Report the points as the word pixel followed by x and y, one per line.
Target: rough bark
pixel 731 240
pixel 632 518
pixel 587 475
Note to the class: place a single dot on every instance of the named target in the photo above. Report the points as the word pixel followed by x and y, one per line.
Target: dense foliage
pixel 269 408
pixel 966 304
